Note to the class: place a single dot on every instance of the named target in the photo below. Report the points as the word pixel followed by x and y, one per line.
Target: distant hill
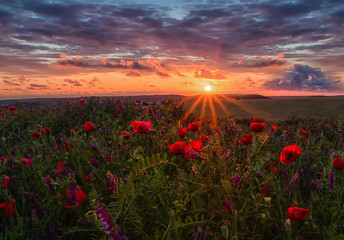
pixel 29 102
pixel 246 96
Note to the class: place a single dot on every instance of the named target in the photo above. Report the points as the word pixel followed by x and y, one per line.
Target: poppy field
pixel 102 168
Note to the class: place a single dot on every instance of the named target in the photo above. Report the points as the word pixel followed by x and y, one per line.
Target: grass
pixel 273 109
pixel 141 187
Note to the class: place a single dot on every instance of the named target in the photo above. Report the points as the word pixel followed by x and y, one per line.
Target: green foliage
pixel 149 192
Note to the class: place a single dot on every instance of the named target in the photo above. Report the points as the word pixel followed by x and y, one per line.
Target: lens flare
pixel 207 88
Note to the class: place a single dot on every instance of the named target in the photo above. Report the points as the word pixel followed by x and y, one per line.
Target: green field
pixel 271 109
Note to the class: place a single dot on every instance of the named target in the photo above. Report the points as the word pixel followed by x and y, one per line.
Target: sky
pixel 61 48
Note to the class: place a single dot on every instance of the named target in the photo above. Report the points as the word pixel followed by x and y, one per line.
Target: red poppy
pixel 268 167
pixel 338 163
pixel 11 108
pixel 246 139
pixel 58 169
pixel 193 127
pixel 273 128
pixel 297 214
pixel 88 127
pixel 82 101
pixel 3 159
pixel 182 132
pixel 5 182
pixel 304 132
pixel 27 162
pixel 204 139
pixel 88 178
pixel 141 127
pixel 69 101
pixel 195 145
pixel 126 135
pixel 36 135
pixel 80 196
pixel 256 126
pixel 67 144
pixel 290 154
pixel 178 148
pixel 9 207
pixel 46 130
pixel 75 129
pixel 184 120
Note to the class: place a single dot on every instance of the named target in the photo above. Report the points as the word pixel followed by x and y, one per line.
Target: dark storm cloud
pixel 147 66
pixel 259 62
pixel 11 83
pixel 37 87
pixel 303 77
pixel 75 83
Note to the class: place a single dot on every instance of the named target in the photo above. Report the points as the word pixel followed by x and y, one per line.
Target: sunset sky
pixel 83 48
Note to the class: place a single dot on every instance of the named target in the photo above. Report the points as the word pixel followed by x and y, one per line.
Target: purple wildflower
pixel 198 234
pixel 285 174
pixel 113 185
pixel 26 155
pixel 94 162
pixel 295 178
pixel 237 181
pixel 228 206
pixel 191 153
pixel 105 218
pixel 315 186
pixel 119 235
pixel 31 197
pixel 94 148
pixel 309 172
pixel 56 148
pixel 19 139
pixel 37 150
pixel 228 155
pixel 300 170
pixel 108 157
pixel 102 128
pixel 73 199
pixel 47 181
pixel 260 175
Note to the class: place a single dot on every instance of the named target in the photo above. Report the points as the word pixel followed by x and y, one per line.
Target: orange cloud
pixel 211 74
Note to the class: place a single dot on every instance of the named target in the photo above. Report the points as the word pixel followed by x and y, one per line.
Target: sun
pixel 207 88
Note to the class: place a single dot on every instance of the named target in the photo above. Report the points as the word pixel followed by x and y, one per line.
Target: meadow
pixel 103 168
pixel 271 109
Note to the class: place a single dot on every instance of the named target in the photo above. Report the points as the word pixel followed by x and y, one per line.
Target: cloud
pixel 11 83
pixel 94 81
pixel 75 83
pixel 206 33
pixel 186 83
pixel 259 62
pixel 37 87
pixel 144 66
pixel 208 73
pixel 303 77
pixel 134 74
